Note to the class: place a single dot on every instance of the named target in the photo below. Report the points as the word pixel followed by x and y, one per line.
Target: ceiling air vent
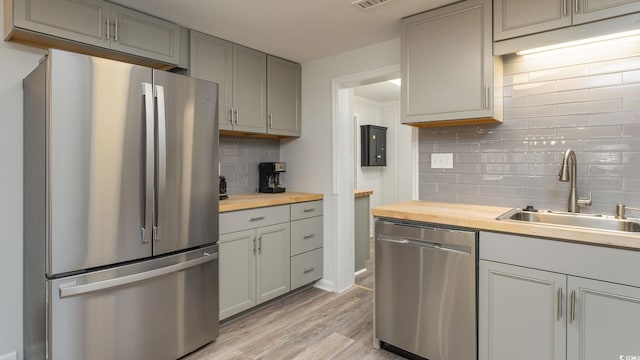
pixel 366 4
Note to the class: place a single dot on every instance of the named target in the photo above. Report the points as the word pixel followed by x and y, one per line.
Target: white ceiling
pixel 380 92
pixel 299 30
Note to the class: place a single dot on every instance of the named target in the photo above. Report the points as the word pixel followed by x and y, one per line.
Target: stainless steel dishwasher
pixel 425 289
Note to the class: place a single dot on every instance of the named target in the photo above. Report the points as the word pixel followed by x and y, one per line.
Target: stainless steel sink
pixel 589 221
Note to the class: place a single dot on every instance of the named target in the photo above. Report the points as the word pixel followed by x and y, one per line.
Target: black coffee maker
pixel 270 176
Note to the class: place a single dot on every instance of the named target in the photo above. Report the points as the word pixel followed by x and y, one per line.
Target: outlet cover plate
pixel 442 161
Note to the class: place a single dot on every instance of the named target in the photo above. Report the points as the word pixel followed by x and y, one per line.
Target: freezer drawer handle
pixel 111 283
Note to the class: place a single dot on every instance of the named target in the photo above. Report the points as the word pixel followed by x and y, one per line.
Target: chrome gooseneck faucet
pixel 568 173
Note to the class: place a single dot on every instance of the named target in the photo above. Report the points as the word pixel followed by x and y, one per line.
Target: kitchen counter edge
pixel 258 200
pixel 483 217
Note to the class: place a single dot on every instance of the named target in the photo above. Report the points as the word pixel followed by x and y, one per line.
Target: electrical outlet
pixel 442 161
pixel 10 356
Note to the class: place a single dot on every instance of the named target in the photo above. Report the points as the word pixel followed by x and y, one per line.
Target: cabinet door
pixel 283 97
pixel 143 35
pixel 237 272
pixel 249 90
pixel 273 261
pixel 521 313
pixel 522 17
pixel 211 59
pixel 592 10
pixel 606 320
pixel 447 64
pixel 84 21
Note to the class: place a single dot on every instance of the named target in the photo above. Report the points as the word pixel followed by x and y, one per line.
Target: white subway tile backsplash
pixel 558 121
pixel 590 107
pixel 559 97
pixel 533 88
pixel 559 73
pixel 586 98
pixel 530 111
pixel 587 82
pixel 611 119
pixel 615 92
pixel 631 104
pixel 590 132
pixel 631 76
pixel 614 66
pixel 239 158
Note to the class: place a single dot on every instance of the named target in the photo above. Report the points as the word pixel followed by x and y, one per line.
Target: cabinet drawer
pixel 306 235
pixel 306 268
pixel 253 218
pixel 306 209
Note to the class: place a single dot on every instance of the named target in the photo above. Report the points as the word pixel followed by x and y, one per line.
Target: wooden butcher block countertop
pixel 361 193
pixel 484 218
pixel 256 200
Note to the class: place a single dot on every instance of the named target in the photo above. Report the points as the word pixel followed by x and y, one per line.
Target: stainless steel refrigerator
pixel 120 211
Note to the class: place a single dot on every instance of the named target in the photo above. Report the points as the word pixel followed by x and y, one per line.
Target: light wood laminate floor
pixel 311 324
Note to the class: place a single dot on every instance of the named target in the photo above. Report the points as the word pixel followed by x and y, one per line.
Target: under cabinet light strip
pixel 579 42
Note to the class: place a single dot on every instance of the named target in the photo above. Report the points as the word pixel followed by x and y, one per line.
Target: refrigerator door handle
pixel 73 290
pixel 162 162
pixel 147 93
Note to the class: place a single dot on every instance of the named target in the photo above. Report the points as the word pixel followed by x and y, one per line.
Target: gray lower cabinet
pixel 97 23
pixel 306 243
pixel 362 229
pixel 513 18
pixel 254 257
pixel 283 97
pixel 449 73
pixel 520 313
pixel 545 299
pixel 241 76
pixel 267 252
pixel 237 272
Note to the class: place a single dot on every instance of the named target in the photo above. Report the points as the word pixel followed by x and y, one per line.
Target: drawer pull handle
pixel 257 218
pixel 307 236
pixel 308 210
pixel 308 270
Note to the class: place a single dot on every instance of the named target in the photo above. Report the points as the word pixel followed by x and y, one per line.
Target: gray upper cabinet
pixel 84 21
pixel 521 17
pixel 93 22
pixel 592 10
pixel 212 60
pixel 449 73
pixel 241 76
pixel 249 90
pixel 283 97
pixel 143 35
pixel 513 18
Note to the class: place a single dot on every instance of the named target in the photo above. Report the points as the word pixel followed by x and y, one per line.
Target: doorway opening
pixel 360 99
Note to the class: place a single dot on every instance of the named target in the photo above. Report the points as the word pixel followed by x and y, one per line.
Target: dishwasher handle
pixel 426 244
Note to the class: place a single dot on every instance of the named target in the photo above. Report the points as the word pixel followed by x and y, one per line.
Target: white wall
pixel 16 62
pixel 397 180
pixel 309 158
pixel 369 112
pixel 391 183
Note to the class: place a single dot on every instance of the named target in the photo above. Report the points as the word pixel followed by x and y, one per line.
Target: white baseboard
pixel 9 356
pixel 321 284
